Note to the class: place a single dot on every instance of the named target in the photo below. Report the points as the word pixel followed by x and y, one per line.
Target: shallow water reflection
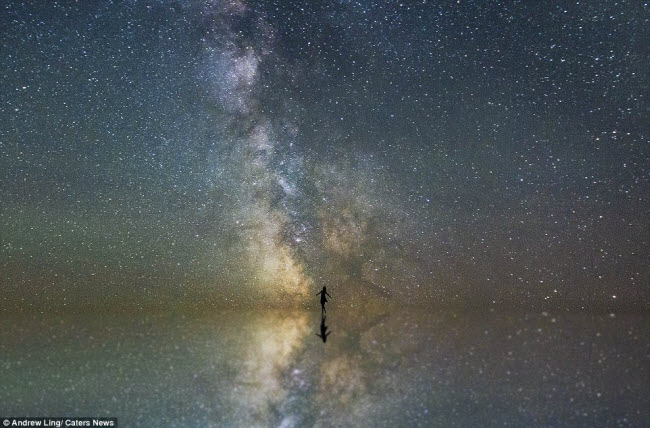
pixel 270 368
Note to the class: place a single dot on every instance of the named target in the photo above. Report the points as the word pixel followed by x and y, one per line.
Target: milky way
pixel 238 153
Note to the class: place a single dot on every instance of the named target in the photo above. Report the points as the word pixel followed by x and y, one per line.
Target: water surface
pixel 269 368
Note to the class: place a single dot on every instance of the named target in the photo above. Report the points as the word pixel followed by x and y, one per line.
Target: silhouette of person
pixel 323 299
pixel 323 329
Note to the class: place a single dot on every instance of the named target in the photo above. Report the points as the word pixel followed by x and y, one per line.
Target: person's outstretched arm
pixel 328 294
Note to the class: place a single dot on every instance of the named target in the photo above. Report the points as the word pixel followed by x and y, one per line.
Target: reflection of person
pixel 323 299
pixel 323 329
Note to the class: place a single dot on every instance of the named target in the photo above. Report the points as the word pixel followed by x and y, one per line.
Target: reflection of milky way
pixel 269 352
pixel 267 368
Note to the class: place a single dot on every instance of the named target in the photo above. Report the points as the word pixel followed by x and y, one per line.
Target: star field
pixel 234 153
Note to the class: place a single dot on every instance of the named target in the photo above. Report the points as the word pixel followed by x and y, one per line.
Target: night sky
pixel 231 153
